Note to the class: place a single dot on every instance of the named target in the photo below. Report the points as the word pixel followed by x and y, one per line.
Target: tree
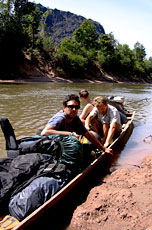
pixel 44 42
pixel 106 52
pixel 69 59
pixel 11 39
pixel 42 25
pixel 86 35
pixel 19 21
pixel 28 15
pixel 148 66
pixel 126 58
pixel 139 51
pixel 75 56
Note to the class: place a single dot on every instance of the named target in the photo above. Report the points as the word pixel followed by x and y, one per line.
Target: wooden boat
pixel 48 205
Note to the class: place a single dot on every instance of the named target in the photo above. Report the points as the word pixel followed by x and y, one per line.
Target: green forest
pixel 23 33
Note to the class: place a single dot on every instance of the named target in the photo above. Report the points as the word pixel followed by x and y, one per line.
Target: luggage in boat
pixel 61 155
pixel 35 144
pixel 65 145
pixel 33 196
pixel 10 139
pixel 14 172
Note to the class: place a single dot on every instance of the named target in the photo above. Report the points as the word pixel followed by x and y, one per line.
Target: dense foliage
pixel 24 31
pixel 87 48
pixel 20 23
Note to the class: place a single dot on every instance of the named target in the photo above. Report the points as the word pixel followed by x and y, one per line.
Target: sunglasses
pixel 73 106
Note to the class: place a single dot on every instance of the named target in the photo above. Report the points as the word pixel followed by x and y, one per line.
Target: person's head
pixel 71 104
pixel 101 104
pixel 83 93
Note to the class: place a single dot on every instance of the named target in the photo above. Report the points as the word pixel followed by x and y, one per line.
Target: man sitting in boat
pixel 67 122
pixel 108 116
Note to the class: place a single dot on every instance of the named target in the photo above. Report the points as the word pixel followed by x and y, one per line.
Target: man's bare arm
pixel 111 133
pixel 97 143
pixel 49 130
pixel 87 109
pixel 88 121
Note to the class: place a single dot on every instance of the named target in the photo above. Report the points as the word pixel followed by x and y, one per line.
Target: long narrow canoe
pixel 123 137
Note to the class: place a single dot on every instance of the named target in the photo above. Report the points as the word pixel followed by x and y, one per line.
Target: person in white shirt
pixel 109 117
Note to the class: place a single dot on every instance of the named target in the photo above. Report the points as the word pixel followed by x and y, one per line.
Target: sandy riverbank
pixel 55 78
pixel 122 202
pixel 28 72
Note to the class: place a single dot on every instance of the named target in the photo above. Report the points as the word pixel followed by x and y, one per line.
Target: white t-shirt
pixel 112 115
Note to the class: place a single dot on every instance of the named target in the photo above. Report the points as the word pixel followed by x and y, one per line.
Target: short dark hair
pixel 83 93
pixel 71 97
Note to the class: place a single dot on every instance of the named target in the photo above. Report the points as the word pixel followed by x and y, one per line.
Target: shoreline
pixel 64 80
pixel 33 74
pixel 122 201
pixel 29 72
pixel 50 78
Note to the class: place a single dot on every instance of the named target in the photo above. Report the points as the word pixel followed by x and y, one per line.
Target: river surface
pixel 28 106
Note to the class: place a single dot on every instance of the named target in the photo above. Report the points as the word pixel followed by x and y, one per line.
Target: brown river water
pixel 28 106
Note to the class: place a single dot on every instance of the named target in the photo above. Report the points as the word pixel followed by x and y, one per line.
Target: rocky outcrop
pixel 123 201
pixel 61 24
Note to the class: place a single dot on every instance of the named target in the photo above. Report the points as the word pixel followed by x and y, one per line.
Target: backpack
pixel 59 156
pixel 43 145
pixel 32 144
pixel 66 148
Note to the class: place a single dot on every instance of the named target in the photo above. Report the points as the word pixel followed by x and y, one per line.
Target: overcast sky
pixel 130 21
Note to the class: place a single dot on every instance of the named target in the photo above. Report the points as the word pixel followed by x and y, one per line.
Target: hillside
pixel 61 24
pixel 27 54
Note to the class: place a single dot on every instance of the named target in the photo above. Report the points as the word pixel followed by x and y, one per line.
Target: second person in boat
pixel 109 118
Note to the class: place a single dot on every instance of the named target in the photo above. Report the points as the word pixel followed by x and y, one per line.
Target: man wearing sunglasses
pixel 66 122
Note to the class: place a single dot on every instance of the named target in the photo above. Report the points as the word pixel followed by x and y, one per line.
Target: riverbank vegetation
pixel 24 39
